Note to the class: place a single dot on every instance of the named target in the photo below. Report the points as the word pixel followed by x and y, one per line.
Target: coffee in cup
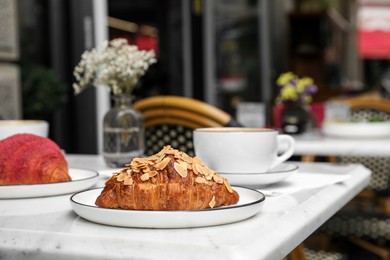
pixel 240 149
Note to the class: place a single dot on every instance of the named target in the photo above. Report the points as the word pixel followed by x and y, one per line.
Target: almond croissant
pixel 168 180
pixel 31 159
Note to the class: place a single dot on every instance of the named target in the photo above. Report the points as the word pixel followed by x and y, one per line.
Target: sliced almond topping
pixel 128 171
pixel 197 160
pixel 180 170
pixel 121 176
pixel 200 180
pixel 198 168
pixel 209 177
pixel 166 148
pixel 212 202
pixel 218 178
pixel 140 160
pixel 151 162
pixel 160 157
pixel 128 180
pixel 144 177
pixel 170 152
pixel 152 173
pixel 153 157
pixel 145 169
pixel 194 169
pixel 161 165
pixel 183 164
pixel 228 187
pixel 186 158
pixel 206 171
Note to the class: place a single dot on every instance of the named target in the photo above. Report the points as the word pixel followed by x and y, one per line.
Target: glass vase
pixel 123 133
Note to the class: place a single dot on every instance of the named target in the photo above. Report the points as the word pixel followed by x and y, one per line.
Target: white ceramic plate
pixel 251 201
pixel 108 173
pixel 279 173
pixel 81 180
pixel 356 129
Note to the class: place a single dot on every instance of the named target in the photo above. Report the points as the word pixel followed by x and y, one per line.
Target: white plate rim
pixel 51 189
pixel 109 172
pixel 261 179
pixel 169 218
pixel 367 129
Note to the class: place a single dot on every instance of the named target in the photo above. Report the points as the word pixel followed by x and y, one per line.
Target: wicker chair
pixel 365 221
pixel 171 120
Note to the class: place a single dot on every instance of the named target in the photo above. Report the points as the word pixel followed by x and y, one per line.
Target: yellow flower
pixel 285 78
pixel 289 93
pixel 307 99
pixel 303 83
pixel 295 89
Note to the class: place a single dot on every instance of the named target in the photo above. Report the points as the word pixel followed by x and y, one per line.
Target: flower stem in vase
pixel 123 131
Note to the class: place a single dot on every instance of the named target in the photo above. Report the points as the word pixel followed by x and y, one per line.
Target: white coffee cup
pixel 12 127
pixel 241 150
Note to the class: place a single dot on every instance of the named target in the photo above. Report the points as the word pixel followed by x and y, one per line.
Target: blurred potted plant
pixel 118 66
pixel 42 93
pixel 295 94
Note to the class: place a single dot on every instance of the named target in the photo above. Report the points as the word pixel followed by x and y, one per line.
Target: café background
pixel 224 52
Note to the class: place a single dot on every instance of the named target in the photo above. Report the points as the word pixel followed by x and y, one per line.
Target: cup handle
pixel 288 153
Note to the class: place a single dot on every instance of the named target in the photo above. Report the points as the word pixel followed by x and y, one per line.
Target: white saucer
pixel 277 174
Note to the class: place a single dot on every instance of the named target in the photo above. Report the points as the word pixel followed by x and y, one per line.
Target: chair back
pixel 363 109
pixel 365 221
pixel 170 120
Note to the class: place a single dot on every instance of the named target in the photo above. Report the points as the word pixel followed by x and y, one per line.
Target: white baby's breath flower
pixel 115 64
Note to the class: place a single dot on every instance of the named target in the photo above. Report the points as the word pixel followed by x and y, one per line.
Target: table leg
pixel 312 158
pixel 298 253
pixel 308 158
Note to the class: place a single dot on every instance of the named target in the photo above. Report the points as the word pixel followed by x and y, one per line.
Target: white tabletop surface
pixel 47 228
pixel 315 143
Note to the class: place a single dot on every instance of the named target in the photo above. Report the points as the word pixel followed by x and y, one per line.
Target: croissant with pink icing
pixel 31 159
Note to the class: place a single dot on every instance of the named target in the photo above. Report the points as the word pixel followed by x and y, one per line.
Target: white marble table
pixel 47 228
pixel 315 143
